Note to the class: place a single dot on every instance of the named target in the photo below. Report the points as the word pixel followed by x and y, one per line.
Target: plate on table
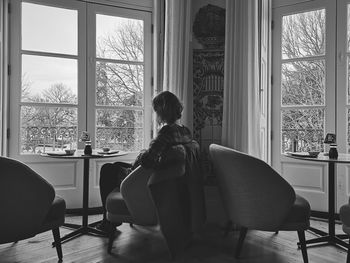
pixel 59 153
pixel 304 154
pixel 108 152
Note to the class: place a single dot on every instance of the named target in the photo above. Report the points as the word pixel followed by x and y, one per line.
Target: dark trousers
pixel 111 176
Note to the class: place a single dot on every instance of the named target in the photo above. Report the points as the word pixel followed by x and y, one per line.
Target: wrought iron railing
pixel 307 139
pixel 36 139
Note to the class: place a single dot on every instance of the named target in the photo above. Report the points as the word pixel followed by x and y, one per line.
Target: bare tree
pixel 121 84
pixel 52 116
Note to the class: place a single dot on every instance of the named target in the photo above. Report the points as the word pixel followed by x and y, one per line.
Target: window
pixel 119 78
pixel 303 87
pixel 49 78
pixel 310 94
pixel 79 72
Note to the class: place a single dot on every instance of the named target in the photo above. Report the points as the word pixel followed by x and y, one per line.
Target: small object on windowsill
pixel 333 152
pixel 85 136
pixel 330 138
pixel 314 154
pixel 70 151
pixel 88 148
pixel 105 149
pixel 295 145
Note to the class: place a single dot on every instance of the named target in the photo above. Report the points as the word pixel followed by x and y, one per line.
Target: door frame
pixel 314 189
pixel 66 176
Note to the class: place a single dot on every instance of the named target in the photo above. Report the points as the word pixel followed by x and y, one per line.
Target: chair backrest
pixel 184 159
pixel 176 191
pixel 254 195
pixel 195 184
pixel 25 199
pixel 179 199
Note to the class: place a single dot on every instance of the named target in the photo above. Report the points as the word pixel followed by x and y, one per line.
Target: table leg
pixel 86 193
pixel 85 228
pixel 331 199
pixel 330 237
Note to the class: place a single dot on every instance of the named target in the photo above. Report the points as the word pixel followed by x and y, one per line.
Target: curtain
pixel 176 51
pixel 158 54
pixel 158 44
pixel 240 126
pixel 4 110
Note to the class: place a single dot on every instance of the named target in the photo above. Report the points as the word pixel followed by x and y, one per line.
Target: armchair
pixel 28 204
pixel 344 214
pixel 171 197
pixel 256 197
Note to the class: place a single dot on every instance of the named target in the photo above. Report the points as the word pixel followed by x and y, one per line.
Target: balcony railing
pixel 35 140
pixel 307 139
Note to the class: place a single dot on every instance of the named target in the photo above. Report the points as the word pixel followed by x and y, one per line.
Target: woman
pixel 168 109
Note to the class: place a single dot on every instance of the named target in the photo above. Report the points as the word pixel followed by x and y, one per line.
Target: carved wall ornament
pixel 209 26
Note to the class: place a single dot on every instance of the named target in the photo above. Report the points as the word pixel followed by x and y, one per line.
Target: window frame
pixel 330 100
pixel 86 82
pixel 92 11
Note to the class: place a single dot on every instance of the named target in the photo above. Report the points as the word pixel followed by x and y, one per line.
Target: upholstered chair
pixel 256 197
pixel 28 204
pixel 344 214
pixel 171 197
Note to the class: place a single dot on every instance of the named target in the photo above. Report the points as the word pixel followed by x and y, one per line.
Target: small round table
pixel 330 237
pixel 85 228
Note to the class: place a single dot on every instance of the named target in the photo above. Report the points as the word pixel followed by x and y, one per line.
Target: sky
pixel 55 30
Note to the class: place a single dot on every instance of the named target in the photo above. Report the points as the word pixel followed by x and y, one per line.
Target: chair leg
pixel 302 241
pixel 242 234
pixel 111 238
pixel 57 239
pixel 348 256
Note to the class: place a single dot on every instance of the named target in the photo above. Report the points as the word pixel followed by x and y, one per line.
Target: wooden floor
pixel 138 244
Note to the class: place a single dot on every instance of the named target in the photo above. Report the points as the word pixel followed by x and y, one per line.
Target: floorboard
pixel 138 244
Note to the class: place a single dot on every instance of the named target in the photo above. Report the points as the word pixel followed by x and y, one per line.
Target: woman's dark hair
pixel 167 106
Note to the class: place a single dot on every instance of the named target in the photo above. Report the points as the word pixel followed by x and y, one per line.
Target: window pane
pixel 119 129
pixel 49 29
pixel 49 79
pixel 304 34
pixel 306 126
pixel 348 27
pixel 119 84
pixel 47 128
pixel 119 38
pixel 303 83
